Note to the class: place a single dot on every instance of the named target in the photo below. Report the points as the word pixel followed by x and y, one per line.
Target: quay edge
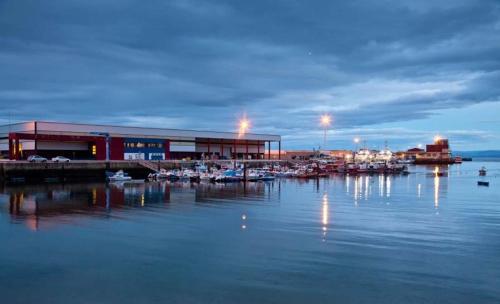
pixel 23 171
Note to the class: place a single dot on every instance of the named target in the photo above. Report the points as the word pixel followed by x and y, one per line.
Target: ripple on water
pixel 401 239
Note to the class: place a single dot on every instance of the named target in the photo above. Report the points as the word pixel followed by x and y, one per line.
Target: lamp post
pixel 243 126
pixel 326 121
pixel 356 141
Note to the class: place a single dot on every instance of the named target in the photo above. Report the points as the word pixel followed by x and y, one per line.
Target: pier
pixel 80 170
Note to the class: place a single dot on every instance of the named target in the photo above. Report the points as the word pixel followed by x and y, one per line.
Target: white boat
pixel 162 174
pixel 363 155
pixel 363 168
pixel 267 177
pixel 253 176
pixel 119 176
pixel 384 155
pixel 188 174
pixel 406 161
pixel 205 176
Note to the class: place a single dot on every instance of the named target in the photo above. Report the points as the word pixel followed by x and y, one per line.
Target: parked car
pixel 37 159
pixel 60 159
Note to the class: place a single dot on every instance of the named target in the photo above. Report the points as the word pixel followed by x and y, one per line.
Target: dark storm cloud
pixel 203 64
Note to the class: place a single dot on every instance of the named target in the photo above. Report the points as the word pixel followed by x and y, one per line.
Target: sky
pixel 390 71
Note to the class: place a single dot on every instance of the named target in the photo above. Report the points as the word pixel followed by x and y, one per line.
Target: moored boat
pixel 119 176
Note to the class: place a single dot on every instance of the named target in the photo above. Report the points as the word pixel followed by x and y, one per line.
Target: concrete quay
pixel 91 170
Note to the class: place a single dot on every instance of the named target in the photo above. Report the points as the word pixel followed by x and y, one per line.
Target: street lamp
pixel 356 141
pixel 243 126
pixel 326 121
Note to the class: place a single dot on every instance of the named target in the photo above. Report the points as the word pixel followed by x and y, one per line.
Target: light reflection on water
pixel 289 241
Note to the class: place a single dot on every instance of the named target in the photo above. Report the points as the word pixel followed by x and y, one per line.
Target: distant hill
pixel 479 154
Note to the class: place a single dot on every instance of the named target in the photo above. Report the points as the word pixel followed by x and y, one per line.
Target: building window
pixel 144 145
pixel 154 145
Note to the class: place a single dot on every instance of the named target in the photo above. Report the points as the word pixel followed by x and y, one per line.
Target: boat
pixel 206 177
pixel 363 168
pixel 259 175
pixel 458 160
pixel 384 155
pixel 228 176
pixel 309 173
pixel 162 174
pixel 267 177
pixel 352 168
pixel 483 183
pixel 188 174
pixel 253 176
pixel 374 167
pixel 363 155
pixel 482 171
pixel 406 161
pixel 119 176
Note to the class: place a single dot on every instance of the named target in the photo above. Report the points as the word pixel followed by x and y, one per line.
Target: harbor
pixel 151 198
pixel 40 151
pixel 400 227
pixel 249 152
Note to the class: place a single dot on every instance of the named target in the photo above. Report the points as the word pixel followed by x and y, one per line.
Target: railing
pixel 148 165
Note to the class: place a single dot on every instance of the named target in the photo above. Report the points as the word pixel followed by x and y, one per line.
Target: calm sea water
pixel 368 239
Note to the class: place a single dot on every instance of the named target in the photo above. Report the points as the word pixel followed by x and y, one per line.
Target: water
pixel 400 239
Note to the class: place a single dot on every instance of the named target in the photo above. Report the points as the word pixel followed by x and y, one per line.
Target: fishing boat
pixel 309 173
pixel 375 167
pixel 352 168
pixel 363 168
pixel 119 176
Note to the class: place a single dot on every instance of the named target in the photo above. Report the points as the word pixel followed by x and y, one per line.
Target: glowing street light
pixel 437 138
pixel 326 121
pixel 356 141
pixel 243 126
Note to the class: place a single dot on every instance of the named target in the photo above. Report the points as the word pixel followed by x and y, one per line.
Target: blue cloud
pixel 201 64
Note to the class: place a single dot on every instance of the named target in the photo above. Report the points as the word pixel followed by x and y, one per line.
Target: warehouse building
pixel 101 142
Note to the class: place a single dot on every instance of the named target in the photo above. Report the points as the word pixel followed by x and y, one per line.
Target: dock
pixel 94 170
